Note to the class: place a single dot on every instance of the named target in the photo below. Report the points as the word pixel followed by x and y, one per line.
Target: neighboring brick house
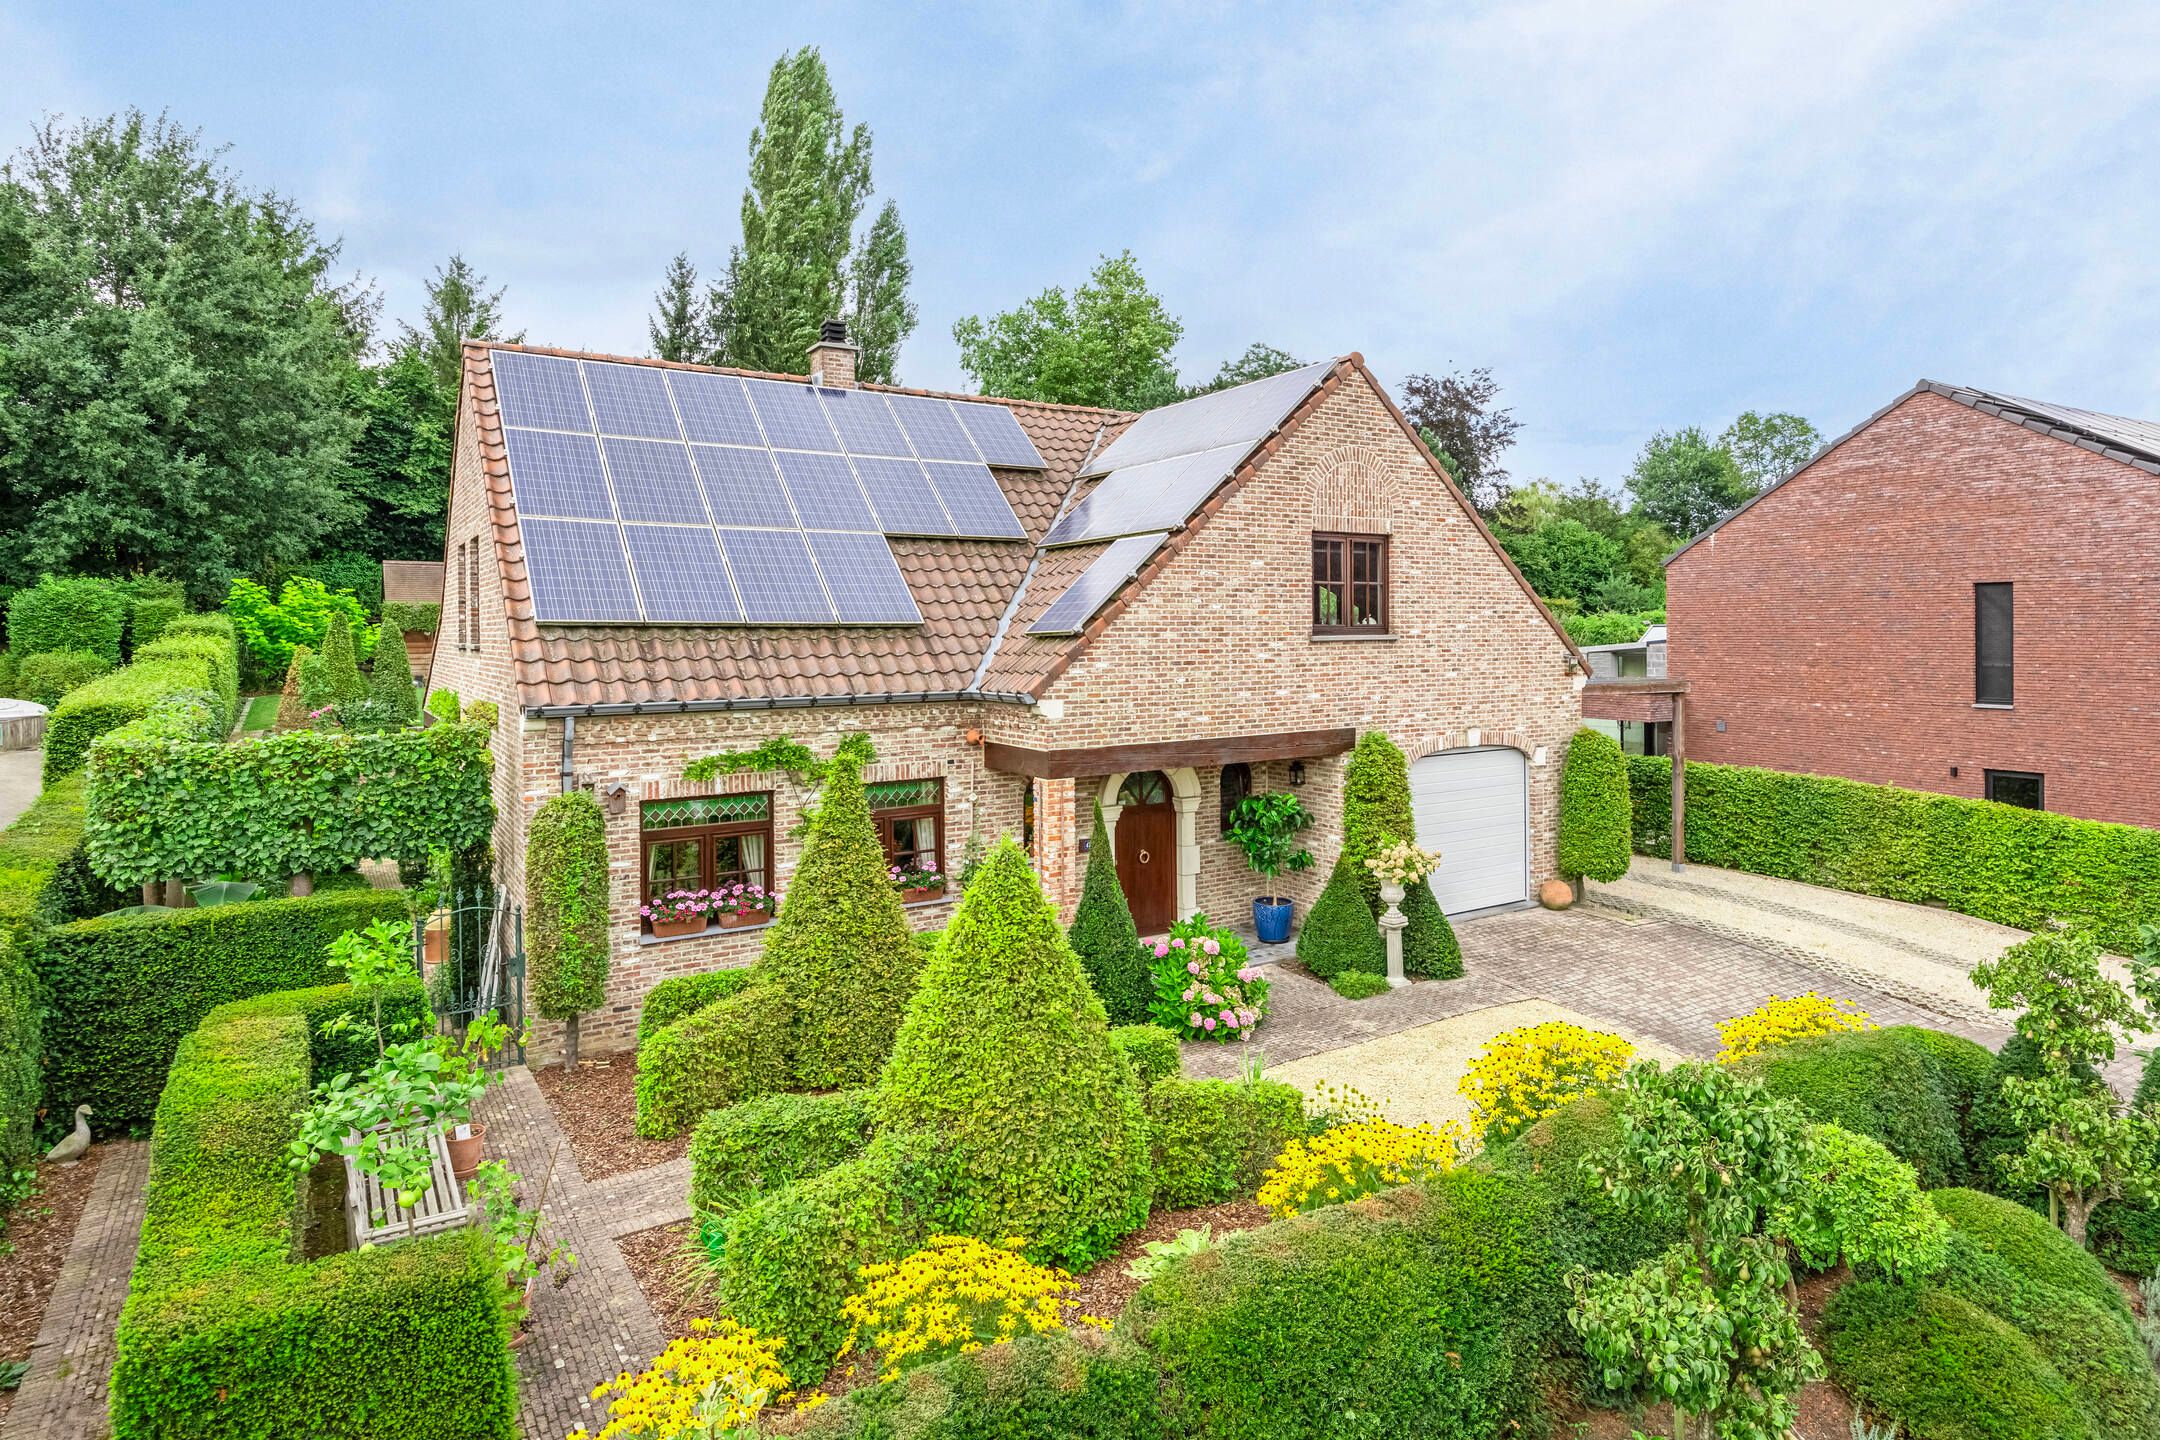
pixel 1328 579
pixel 1956 596
pixel 414 582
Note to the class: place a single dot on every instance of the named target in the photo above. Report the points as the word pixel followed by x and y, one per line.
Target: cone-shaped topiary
pixel 566 880
pixel 841 953
pixel 1376 810
pixel 292 707
pixel 1105 938
pixel 390 685
pixel 1341 934
pixel 1596 825
pixel 340 670
pixel 1429 948
pixel 1006 1057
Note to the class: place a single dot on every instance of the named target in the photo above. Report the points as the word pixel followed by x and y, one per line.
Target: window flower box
pixel 918 882
pixel 680 925
pixel 679 912
pixel 743 904
pixel 912 893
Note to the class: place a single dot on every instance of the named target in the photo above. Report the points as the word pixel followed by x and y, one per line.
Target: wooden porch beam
pixel 1164 754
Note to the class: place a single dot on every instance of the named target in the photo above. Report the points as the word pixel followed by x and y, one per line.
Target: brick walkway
pixel 63 1396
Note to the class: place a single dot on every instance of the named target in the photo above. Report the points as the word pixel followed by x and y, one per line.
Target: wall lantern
pixel 1297 772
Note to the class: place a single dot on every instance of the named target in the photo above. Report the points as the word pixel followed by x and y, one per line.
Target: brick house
pixel 1955 596
pixel 1310 573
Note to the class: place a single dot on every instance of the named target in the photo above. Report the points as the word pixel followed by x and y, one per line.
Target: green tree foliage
pixel 1108 343
pixel 396 700
pixel 340 668
pixel 677 328
pixel 1005 1058
pixel 398 469
pixel 1376 810
pixel 566 877
pixel 840 954
pixel 1595 831
pixel 1566 559
pixel 1455 417
pixel 1858 1201
pixel 68 612
pixel 1340 933
pixel 292 710
pixel 1635 579
pixel 459 307
pixel 1105 938
pixel 1430 949
pixel 1686 482
pixel 797 265
pixel 173 358
pixel 1767 448
pixel 1257 363
pixel 47 676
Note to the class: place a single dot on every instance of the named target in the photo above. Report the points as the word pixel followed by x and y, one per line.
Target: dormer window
pixel 1349 584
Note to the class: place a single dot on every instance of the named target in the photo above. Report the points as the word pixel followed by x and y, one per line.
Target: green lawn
pixel 261 713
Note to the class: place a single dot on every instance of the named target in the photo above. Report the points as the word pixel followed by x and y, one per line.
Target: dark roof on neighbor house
pixel 2135 443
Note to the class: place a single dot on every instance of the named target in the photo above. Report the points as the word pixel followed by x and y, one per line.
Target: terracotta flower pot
pixel 465 1153
pixel 436 946
pixel 681 925
pixel 921 892
pixel 735 921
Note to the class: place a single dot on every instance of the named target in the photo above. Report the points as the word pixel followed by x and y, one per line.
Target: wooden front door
pixel 1147 851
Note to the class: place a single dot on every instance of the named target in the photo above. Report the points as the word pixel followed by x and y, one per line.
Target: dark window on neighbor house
pixel 1236 785
pixel 2017 787
pixel 1349 584
pixel 1027 814
pixel 910 820
pixel 1993 644
pixel 705 842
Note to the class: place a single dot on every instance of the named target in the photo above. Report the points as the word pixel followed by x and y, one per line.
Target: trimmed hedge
pixel 2023 1240
pixel 1215 1139
pixel 68 612
pixel 1105 938
pixel 196 656
pixel 730 1050
pixel 411 617
pixel 48 676
pixel 1894 1085
pixel 1595 819
pixel 149 617
pixel 742 1153
pixel 2000 862
pixel 566 883
pixel 1430 949
pixel 680 996
pixel 1339 932
pixel 1079 1384
pixel 1153 1052
pixel 223 1335
pixel 124 991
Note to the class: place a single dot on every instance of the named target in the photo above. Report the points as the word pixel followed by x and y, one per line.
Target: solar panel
pixel 1153 496
pixel 554 474
pixel 826 495
pixel 931 428
pixel 973 499
pixel 631 400
pixel 680 575
pixel 863 422
pixel 742 487
pixel 541 391
pixel 998 436
pixel 577 571
pixel 901 494
pixel 866 584
pixel 653 481
pixel 791 415
pixel 714 408
pixel 1094 586
pixel 1242 415
pixel 775 577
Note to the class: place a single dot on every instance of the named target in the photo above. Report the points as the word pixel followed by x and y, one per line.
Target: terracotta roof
pixel 962 587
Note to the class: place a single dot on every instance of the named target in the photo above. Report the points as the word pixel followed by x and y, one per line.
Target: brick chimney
pixel 832 358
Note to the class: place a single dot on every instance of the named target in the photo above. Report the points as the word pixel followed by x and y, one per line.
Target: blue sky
pixel 1639 215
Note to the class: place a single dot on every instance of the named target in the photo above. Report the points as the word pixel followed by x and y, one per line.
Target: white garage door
pixel 1473 807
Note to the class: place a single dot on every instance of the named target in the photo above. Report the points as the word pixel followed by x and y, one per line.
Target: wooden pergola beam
pixel 1164 754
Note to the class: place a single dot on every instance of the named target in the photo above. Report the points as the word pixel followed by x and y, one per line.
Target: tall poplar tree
pixel 459 307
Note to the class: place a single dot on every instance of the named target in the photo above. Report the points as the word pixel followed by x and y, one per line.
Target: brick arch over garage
pixel 1470 739
pixel 1353 490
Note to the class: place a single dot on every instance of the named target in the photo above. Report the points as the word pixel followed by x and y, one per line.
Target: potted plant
pixel 1265 827
pixel 515 1233
pixel 679 912
pixel 740 905
pixel 923 882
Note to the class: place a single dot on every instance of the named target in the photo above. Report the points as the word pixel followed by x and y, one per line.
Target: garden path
pixel 63 1395
pixel 20 781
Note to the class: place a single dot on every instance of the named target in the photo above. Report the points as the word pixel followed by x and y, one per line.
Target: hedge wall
pixel 195 656
pixel 1910 1088
pixel 744 1152
pixel 123 991
pixel 223 1335
pixel 1999 862
pixel 68 612
pixel 1215 1139
pixel 301 802
pixel 680 996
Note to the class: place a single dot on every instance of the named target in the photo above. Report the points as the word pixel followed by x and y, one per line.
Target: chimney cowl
pixel 832 357
pixel 833 332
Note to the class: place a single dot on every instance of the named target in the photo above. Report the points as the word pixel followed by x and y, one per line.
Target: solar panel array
pixel 1092 588
pixel 1169 461
pixel 684 497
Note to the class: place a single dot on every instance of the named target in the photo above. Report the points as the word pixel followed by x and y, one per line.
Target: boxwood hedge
pixel 1152 1051
pixel 1908 1087
pixel 746 1151
pixel 224 1335
pixel 124 990
pixel 1215 1139
pixel 1082 1385
pixel 2000 862
pixel 681 995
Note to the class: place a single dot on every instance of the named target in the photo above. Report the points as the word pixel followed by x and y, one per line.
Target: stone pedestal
pixel 1392 923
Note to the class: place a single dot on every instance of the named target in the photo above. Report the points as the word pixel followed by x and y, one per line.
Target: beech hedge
pixel 2017 867
pixel 223 1334
pixel 194 665
pixel 304 802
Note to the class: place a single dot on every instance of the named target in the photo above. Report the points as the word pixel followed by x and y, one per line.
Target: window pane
pixel 755 870
pixel 2011 787
pixel 1993 644
pixel 672 865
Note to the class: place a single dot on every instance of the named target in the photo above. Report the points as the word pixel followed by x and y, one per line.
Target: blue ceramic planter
pixel 1271 919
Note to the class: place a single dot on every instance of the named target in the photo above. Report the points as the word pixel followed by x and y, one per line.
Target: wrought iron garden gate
pixel 471 956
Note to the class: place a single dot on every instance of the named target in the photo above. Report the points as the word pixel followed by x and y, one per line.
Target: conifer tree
pixel 292 710
pixel 1340 933
pixel 1376 810
pixel 390 685
pixel 459 307
pixel 341 672
pixel 1106 939
pixel 678 327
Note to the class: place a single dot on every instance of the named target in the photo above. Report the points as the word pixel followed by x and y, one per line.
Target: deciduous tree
pixel 1107 343
pixel 1769 447
pixel 1257 363
pixel 1455 416
pixel 1686 482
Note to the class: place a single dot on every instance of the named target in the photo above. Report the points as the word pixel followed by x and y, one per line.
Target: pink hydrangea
pixel 1194 1020
pixel 1212 947
pixel 1209 1023
pixel 1191 991
pixel 1245 976
pixel 1162 948
pixel 1178 941
pixel 1192 967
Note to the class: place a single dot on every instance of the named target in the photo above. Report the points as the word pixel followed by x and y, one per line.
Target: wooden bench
pixel 442 1207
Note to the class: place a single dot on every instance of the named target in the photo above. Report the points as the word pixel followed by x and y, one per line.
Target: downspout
pixel 569 741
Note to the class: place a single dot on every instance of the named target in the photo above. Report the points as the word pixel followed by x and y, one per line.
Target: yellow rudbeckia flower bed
pixel 1529 1073
pixel 1356 1159
pixel 716 1382
pixel 954 1296
pixel 1780 1021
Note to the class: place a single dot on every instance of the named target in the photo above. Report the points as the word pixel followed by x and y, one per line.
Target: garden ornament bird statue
pixel 77 1144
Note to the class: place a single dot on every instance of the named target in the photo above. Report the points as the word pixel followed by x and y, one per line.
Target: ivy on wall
pixel 304 802
pixel 413 619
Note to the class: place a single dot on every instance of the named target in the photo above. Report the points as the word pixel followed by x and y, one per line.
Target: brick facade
pixel 1829 627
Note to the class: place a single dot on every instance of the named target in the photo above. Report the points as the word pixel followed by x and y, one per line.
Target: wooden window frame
pixel 1344 545
pixel 472 591
pixel 935 810
pixel 708 851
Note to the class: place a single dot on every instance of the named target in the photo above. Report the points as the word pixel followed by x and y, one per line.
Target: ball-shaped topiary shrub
pixel 1105 938
pixel 2024 1240
pixel 1888 1084
pixel 566 879
pixel 1596 836
pixel 1151 1050
pixel 1341 934
pixel 1005 1057
pixel 840 955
